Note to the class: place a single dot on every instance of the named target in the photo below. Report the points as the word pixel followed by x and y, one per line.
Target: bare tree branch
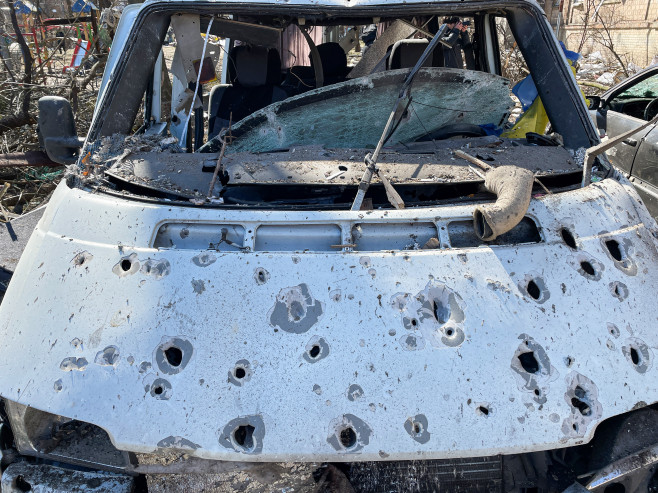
pixel 604 35
pixel 23 116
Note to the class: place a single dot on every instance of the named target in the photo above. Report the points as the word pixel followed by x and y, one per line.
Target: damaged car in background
pixel 323 273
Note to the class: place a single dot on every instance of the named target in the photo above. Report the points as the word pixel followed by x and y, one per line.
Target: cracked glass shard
pixel 440 96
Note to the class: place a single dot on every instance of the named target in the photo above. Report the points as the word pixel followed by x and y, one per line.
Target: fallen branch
pixel 30 158
pixel 593 84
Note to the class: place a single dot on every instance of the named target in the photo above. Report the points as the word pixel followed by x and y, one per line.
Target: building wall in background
pixel 633 27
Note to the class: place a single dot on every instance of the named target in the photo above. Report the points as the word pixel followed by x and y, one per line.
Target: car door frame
pixel 622 156
pixel 648 191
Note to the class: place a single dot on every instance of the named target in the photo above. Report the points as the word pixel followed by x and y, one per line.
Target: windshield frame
pixel 557 86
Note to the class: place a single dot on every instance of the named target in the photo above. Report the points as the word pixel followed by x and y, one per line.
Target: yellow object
pixel 534 119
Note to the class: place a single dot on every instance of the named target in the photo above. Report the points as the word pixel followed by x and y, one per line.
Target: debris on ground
pixel 116 145
pixel 597 74
pixel 25 189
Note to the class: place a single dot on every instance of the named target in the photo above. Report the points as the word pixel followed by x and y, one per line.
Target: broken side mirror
pixel 594 102
pixel 56 129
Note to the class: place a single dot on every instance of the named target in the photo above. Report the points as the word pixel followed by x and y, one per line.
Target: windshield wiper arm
pixel 396 115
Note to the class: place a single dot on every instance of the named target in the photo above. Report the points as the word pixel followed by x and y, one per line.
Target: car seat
pixel 254 73
pixel 406 52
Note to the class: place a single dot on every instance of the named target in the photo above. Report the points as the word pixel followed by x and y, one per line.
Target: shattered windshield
pixel 442 98
pixel 280 111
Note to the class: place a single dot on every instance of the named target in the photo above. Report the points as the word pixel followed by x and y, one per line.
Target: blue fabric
pixel 491 129
pixel 22 8
pixel 83 6
pixel 526 90
pixel 572 56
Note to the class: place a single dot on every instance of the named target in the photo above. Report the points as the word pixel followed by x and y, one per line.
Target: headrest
pixel 334 60
pixel 406 52
pixel 252 66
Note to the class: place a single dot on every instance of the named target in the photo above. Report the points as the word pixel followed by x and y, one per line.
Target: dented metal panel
pixel 314 355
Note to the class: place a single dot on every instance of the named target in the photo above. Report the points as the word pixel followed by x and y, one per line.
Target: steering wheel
pixel 651 110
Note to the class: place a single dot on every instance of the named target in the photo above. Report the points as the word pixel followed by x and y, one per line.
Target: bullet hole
pixel 160 389
pixel 175 119
pixel 126 264
pixel 587 268
pixel 483 410
pixel 82 258
pixel 529 362
pixel 579 401
pixel 174 356
pixel 261 276
pixel 449 332
pixel 582 406
pixel 537 392
pixel 619 290
pixel 615 488
pixel 348 437
pixel 441 312
pixel 244 436
pixel 638 353
pixel 414 322
pixel 568 361
pixel 240 373
pixel 568 238
pixel 635 356
pixel 615 250
pixel 314 351
pixel 416 427
pixel 21 484
pixel 533 290
pixel 582 397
